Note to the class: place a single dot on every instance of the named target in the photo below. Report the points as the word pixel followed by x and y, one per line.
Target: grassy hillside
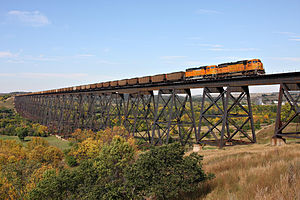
pixel 265 134
pixel 258 171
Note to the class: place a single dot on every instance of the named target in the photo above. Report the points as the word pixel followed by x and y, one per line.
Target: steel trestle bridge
pixel 170 115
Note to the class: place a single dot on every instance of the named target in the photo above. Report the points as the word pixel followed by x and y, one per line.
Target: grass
pixel 264 135
pixel 53 141
pixel 257 171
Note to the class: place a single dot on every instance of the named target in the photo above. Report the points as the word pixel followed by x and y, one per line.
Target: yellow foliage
pixel 46 155
pixel 11 151
pixel 107 135
pixel 7 191
pixel 255 118
pixel 53 155
pixel 81 135
pixel 40 129
pixel 36 176
pixel 36 141
pixel 19 171
pixel 37 153
pixel 89 148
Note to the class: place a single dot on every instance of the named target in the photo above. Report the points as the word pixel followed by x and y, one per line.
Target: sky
pixel 54 44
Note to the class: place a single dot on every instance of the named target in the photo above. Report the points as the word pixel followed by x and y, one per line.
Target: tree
pixel 36 141
pixel 102 178
pixel 46 155
pixel 164 172
pixel 22 132
pixel 111 164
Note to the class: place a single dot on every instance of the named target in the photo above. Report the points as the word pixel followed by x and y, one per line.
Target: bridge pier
pixel 292 114
pixel 175 120
pixel 139 114
pixel 225 116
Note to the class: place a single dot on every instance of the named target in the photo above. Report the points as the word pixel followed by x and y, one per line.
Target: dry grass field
pixel 258 171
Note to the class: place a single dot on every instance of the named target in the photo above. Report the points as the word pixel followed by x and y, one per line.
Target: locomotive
pixel 239 68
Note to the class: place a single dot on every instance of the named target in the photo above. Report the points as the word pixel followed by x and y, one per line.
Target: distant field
pixel 9 103
pixel 53 141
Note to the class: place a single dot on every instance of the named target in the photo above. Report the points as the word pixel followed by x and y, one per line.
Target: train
pixel 253 67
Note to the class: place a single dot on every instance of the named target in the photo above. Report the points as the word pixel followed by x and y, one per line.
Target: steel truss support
pixel 173 117
pixel 139 114
pixel 290 92
pixel 225 116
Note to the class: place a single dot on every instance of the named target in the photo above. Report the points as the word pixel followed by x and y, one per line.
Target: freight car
pixel 239 68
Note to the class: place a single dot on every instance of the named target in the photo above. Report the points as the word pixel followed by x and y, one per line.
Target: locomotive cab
pixel 256 66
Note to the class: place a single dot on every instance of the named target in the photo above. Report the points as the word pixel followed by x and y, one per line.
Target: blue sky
pixel 52 44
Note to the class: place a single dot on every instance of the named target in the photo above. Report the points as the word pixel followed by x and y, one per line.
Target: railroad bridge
pixel 164 111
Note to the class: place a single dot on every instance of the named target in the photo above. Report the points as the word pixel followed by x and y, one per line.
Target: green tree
pixel 164 173
pixel 102 178
pixel 22 132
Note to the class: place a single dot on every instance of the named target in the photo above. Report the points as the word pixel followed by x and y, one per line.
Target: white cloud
pixel 207 45
pixel 237 49
pixel 171 57
pixel 84 55
pixel 291 36
pixel 6 54
pixel 286 33
pixel 194 38
pixel 17 58
pixel 7 74
pixel 295 39
pixel 107 62
pixel 34 18
pixel 207 11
